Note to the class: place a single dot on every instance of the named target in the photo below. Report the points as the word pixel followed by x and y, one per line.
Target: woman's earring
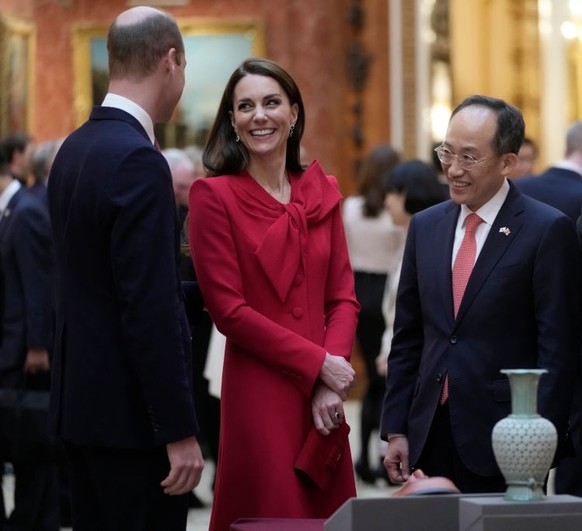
pixel 291 129
pixel 236 137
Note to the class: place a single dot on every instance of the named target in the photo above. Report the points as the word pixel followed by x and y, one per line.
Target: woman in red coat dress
pixel 269 251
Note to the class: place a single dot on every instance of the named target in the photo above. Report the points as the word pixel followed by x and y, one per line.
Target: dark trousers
pixel 119 490
pixel 440 458
pixel 569 470
pixel 36 501
pixel 369 289
pixel 36 495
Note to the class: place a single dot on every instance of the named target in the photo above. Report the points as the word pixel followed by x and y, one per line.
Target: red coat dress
pixel 277 282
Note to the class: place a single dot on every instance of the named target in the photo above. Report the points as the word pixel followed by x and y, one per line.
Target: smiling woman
pixel 270 254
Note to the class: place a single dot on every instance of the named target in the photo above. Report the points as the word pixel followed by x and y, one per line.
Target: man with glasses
pixel 489 282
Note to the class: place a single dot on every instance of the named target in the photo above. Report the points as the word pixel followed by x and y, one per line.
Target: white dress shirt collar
pixel 125 104
pixel 8 194
pixel 488 212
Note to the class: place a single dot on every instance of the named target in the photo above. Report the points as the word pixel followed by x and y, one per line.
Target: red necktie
pixel 462 268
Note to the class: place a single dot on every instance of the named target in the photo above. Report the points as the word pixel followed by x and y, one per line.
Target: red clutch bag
pixel 320 455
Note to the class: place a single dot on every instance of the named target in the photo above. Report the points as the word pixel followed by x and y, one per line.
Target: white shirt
pixel 374 244
pixel 488 212
pixel 130 107
pixel 8 194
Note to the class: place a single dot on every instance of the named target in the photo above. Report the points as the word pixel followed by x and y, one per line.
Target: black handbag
pixel 24 436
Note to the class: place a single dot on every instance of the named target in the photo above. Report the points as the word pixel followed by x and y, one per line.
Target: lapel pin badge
pixel 505 230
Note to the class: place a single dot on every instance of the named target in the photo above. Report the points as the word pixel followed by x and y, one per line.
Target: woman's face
pixel 262 116
pixel 394 202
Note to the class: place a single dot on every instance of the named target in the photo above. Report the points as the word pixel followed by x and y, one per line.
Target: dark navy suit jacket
pixel 520 310
pixel 559 187
pixel 25 266
pixel 122 364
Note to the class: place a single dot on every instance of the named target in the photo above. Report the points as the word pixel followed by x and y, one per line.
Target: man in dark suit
pixel 520 308
pixel 561 184
pixel 561 187
pixel 26 271
pixel 122 379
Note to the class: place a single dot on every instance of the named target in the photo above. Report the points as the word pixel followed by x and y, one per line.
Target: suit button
pixel 439 377
pixel 297 312
pixel 453 339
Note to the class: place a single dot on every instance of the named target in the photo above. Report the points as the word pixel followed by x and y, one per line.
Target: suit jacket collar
pixel 504 230
pixel 5 220
pixel 8 193
pixel 112 113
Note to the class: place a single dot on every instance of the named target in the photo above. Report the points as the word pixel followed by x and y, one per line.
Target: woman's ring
pixel 337 415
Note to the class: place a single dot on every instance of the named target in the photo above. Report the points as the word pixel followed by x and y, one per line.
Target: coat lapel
pixel 505 229
pixel 7 214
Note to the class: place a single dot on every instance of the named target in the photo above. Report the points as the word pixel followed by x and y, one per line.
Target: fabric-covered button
pixel 297 312
pixel 298 279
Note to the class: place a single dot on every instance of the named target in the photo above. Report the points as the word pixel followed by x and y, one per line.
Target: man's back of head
pixel 137 40
pixel 147 61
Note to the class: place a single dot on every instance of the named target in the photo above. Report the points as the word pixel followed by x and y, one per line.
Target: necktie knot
pixel 472 222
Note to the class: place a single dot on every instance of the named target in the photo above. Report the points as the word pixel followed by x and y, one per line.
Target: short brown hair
pixel 135 49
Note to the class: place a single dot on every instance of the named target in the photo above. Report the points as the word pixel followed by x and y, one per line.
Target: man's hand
pixel 338 375
pixel 396 459
pixel 186 465
pixel 37 360
pixel 327 409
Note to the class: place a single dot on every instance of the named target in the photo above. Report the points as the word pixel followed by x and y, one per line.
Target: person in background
pixel 194 152
pixel 410 187
pixel 270 254
pixel 18 148
pixel 41 161
pixel 374 244
pixel 438 168
pixel 122 398
pixel 26 268
pixel 490 281
pixel 182 169
pixel 185 169
pixel 40 165
pixel 526 160
pixel 560 186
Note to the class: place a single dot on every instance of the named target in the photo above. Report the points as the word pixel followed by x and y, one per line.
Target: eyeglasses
pixel 465 161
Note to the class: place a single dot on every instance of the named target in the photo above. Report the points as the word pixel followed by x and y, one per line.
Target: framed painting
pixel 214 48
pixel 17 41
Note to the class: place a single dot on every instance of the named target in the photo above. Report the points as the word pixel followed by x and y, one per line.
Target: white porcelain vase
pixel 524 443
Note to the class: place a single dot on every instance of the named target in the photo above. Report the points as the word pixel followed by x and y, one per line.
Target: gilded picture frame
pixel 214 48
pixel 17 51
